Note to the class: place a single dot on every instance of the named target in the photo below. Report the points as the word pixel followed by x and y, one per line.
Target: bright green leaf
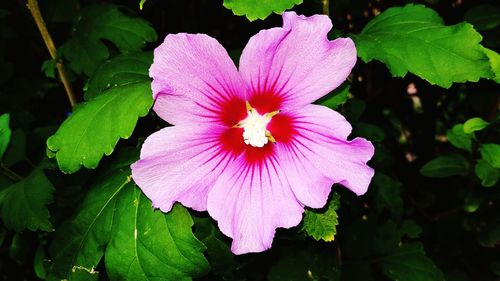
pixel 486 173
pixel 388 194
pixel 121 70
pixel 322 224
pixel 491 153
pixel 85 51
pixel 474 124
pixel 95 126
pixel 24 204
pixel 494 58
pixel 148 244
pixel 141 4
pixel 5 133
pixel 458 138
pixel 414 39
pixel 336 98
pixel 483 17
pixel 446 166
pixel 409 262
pixel 259 9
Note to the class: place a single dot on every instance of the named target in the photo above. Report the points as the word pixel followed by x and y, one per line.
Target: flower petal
pixel 180 164
pixel 250 201
pixel 319 155
pixel 193 76
pixel 297 62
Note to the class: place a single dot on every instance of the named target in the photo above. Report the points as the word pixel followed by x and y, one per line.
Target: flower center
pixel 254 126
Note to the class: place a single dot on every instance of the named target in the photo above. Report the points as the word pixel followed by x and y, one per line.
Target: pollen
pixel 254 126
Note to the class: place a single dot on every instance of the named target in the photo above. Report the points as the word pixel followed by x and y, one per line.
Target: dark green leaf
pixel 322 224
pixel 495 267
pixel 49 68
pixel 24 203
pixel 474 124
pixel 16 151
pixel 369 131
pixel 39 263
pixel 445 166
pixel 486 173
pixel 79 244
pixel 219 253
pixel 483 17
pixel 414 39
pixel 86 51
pixel 491 153
pixel 95 126
pixel 259 9
pixel 458 138
pixel 147 244
pixel 388 194
pixel 409 262
pixel 305 263
pixel 120 71
pixel 336 98
pixel 5 133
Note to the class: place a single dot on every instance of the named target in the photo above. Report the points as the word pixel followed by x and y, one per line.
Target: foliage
pixel 424 91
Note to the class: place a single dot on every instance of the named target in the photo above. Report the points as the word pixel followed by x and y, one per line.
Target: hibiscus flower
pixel 247 145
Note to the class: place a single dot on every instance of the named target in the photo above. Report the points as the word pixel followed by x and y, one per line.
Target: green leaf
pixel 474 124
pixel 369 131
pixel 322 224
pixel 446 166
pixel 16 151
pixel 148 244
pixel 388 194
pixel 141 4
pixel 120 71
pixel 486 173
pixel 301 262
pixel 219 253
pixel 409 262
pixel 39 263
pixel 85 51
pixel 491 153
pixel 79 244
pixel 483 17
pixel 458 138
pixel 24 203
pixel 140 243
pixel 389 236
pixel 494 58
pixel 49 68
pixel 259 9
pixel 95 126
pixel 336 98
pixel 5 133
pixel 414 39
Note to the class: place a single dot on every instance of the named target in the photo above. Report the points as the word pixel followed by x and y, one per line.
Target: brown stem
pixel 40 23
pixel 326 7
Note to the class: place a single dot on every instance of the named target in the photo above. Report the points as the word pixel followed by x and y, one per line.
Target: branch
pixel 40 23
pixel 326 7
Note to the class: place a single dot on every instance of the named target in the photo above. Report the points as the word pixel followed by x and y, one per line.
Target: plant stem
pixel 40 23
pixel 9 173
pixel 326 7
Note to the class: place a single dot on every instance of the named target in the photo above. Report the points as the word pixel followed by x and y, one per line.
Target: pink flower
pixel 248 145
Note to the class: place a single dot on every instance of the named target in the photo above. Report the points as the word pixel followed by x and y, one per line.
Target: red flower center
pixel 235 110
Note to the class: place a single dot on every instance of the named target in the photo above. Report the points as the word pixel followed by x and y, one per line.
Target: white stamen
pixel 254 128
